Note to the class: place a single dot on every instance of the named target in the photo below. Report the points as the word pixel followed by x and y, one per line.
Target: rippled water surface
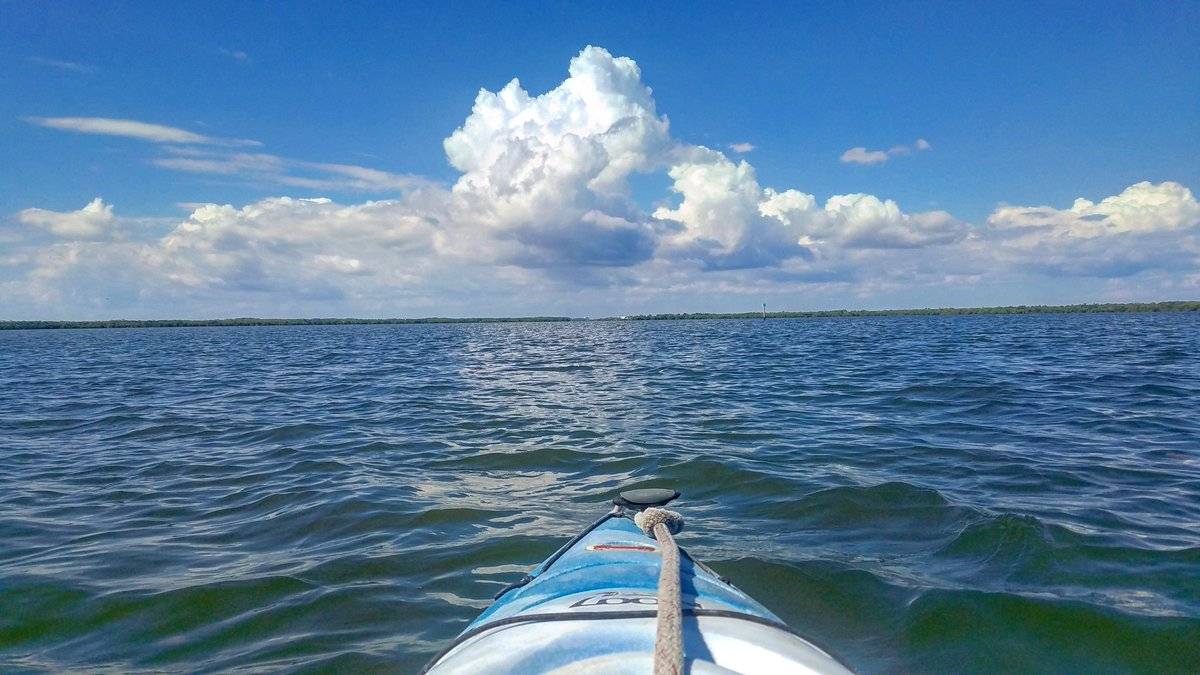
pixel 1012 493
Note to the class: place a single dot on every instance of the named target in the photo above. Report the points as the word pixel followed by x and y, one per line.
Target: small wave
pixel 893 505
pixel 975 631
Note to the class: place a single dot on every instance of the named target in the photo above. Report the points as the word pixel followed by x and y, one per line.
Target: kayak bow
pixel 593 605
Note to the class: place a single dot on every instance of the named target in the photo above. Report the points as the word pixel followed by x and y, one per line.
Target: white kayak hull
pixel 620 646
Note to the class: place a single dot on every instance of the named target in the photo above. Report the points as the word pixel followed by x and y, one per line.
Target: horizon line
pixel 1078 308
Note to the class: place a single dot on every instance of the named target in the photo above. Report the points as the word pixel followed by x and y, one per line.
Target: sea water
pixel 920 494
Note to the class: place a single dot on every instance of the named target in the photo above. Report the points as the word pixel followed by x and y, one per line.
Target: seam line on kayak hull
pixel 619 614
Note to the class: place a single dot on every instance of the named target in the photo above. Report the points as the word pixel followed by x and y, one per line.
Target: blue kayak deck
pixel 615 567
pixel 591 607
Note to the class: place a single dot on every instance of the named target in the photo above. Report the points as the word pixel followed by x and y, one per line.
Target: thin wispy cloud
pixel 60 64
pixel 191 152
pixel 861 155
pixel 267 168
pixel 142 131
pixel 235 54
pixel 742 148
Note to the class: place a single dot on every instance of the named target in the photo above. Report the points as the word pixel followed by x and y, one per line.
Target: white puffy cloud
pixel 1140 208
pixel 728 220
pixel 144 131
pixel 268 243
pixel 535 167
pixel 271 254
pixel 1146 226
pixel 860 155
pixel 511 137
pixel 93 220
pixel 719 200
pixel 861 221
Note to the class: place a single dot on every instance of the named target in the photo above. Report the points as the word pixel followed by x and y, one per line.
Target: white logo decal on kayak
pixel 615 598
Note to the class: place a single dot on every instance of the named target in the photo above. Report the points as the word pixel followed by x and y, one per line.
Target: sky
pixel 205 160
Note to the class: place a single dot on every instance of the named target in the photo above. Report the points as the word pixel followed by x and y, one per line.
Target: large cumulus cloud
pixel 1146 227
pixel 546 176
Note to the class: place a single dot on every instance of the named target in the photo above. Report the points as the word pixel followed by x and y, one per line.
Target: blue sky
pixel 1015 108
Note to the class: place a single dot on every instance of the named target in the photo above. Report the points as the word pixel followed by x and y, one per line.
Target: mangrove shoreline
pixel 1096 308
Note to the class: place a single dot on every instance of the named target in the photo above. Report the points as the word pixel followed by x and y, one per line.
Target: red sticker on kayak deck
pixel 639 548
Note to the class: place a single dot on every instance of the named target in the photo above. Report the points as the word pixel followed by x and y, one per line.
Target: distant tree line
pixel 182 323
pixel 1109 307
pixel 1173 306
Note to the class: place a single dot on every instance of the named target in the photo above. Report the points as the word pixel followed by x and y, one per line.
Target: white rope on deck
pixel 668 639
